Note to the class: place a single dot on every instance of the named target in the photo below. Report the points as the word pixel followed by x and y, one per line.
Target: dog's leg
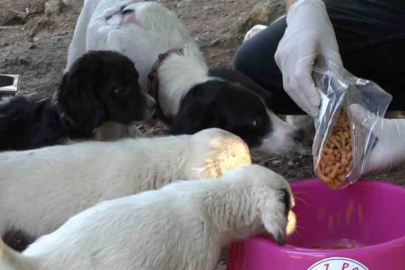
pixel 134 132
pixel 110 131
pixel 78 46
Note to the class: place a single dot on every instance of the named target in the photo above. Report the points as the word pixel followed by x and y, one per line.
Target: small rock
pixel 214 43
pixel 54 6
pixel 73 3
pixel 184 3
pixel 207 10
pixel 290 163
pixel 23 62
pixel 32 46
pixel 43 23
pixel 265 12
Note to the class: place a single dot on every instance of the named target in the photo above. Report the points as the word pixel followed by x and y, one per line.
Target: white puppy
pixel 181 226
pixel 40 189
pixel 190 96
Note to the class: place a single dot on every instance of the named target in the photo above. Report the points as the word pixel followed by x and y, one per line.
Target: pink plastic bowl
pixel 369 215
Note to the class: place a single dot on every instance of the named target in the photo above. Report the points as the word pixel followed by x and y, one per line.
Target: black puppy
pixel 101 86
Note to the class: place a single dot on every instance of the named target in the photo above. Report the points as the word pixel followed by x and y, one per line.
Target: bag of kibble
pixel 341 145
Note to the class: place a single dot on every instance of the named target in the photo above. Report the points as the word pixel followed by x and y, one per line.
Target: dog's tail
pixel 12 260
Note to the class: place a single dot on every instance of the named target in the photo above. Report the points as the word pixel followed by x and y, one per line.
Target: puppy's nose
pixel 298 135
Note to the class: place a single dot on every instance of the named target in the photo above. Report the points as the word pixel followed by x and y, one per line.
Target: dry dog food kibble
pixel 336 157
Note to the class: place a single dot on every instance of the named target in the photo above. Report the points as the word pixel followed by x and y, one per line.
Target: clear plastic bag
pixel 341 145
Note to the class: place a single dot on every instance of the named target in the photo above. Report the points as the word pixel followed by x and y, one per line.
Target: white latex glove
pixel 309 34
pixel 390 148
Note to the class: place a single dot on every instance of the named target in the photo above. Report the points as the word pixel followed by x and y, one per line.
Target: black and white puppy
pixel 235 103
pixel 101 86
pixel 190 96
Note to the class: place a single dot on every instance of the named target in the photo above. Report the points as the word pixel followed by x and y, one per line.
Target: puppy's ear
pixel 266 96
pixel 192 117
pixel 77 99
pixel 240 78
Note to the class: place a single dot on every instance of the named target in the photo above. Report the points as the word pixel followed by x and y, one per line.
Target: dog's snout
pixel 298 135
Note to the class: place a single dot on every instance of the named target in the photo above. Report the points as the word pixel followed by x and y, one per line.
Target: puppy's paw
pixel 111 131
pixel 134 132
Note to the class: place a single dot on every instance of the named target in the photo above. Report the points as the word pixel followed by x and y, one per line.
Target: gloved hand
pixel 309 34
pixel 390 148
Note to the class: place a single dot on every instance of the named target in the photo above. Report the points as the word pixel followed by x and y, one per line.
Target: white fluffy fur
pixel 142 35
pixel 152 30
pixel 40 189
pixel 181 226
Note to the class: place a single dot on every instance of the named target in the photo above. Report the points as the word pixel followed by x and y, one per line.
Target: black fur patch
pixel 87 96
pixel 17 239
pixel 286 200
pixel 235 103
pixel 280 239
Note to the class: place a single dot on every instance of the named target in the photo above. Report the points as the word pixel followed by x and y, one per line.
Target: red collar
pixel 153 85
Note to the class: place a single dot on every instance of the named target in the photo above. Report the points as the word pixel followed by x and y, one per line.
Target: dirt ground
pixel 34 45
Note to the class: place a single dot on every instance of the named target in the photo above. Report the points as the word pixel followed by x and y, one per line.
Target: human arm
pixel 390 148
pixel 309 36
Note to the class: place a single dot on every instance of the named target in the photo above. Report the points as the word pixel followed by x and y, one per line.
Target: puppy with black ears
pixel 190 97
pixel 234 102
pixel 184 225
pixel 101 86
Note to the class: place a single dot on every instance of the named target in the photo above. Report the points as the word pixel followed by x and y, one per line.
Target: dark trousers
pixel 371 37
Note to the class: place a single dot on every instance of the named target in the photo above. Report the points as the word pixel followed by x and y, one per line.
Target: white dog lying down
pixel 181 226
pixel 40 189
pixel 190 96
